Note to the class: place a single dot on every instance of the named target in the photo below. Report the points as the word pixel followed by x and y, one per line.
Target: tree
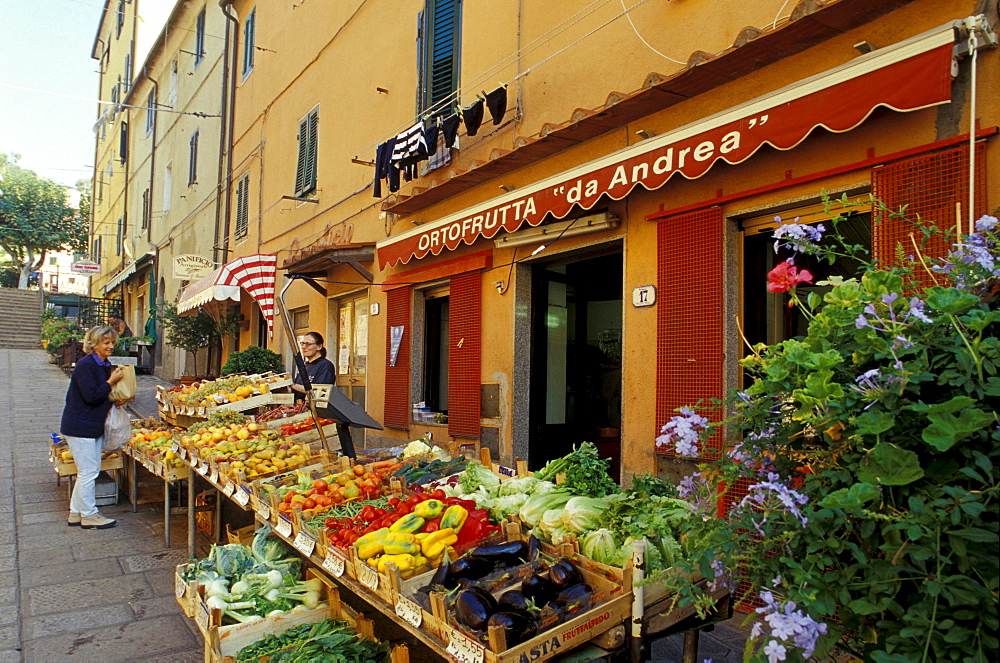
pixel 194 332
pixel 35 218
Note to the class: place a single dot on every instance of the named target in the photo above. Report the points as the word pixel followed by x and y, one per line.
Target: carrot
pixel 381 463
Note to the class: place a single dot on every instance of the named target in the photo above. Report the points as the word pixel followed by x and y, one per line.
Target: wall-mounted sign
pixel 85 267
pixel 644 295
pixel 395 339
pixel 191 267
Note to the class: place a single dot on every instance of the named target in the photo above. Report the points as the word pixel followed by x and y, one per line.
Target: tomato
pixel 369 530
pixel 321 485
pixel 370 492
pixel 432 525
pixel 368 513
pixel 352 537
pixel 380 512
pixel 324 500
pixel 393 502
pixel 438 494
pixel 413 500
pixel 344 477
pixel 289 495
pixel 333 538
pixel 310 503
pixel 310 492
pixel 403 509
pixel 330 523
pixel 359 470
pixel 336 497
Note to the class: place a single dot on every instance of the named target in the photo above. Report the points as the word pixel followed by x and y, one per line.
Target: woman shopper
pixel 319 369
pixel 87 406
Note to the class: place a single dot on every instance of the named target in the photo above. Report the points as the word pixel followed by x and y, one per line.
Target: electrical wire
pixel 101 101
pixel 643 40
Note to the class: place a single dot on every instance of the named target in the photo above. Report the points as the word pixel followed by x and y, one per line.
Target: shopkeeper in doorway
pixel 319 369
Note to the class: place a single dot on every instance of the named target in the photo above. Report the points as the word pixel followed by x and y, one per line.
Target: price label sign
pixel 462 649
pixel 265 512
pixel 334 563
pixel 176 448
pixel 203 470
pixel 284 526
pixel 229 489
pixel 214 476
pixel 202 616
pixel 409 611
pixel 304 543
pixel 180 587
pixel 368 576
pixel 242 497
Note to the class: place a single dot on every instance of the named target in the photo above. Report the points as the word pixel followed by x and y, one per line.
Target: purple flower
pixel 787 624
pixel 917 310
pixel 683 432
pixel 861 321
pixel 889 299
pixel 773 489
pixel 774 651
pixel 689 485
pixel 986 223
pixel 799 237
pixel 721 579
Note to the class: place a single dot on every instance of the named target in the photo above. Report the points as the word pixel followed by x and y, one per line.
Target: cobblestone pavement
pixel 107 595
pixel 68 593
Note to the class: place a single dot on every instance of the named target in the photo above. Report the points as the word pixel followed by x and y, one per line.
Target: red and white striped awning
pixel 255 274
pixel 913 74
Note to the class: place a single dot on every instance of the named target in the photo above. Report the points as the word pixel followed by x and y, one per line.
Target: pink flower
pixel 785 275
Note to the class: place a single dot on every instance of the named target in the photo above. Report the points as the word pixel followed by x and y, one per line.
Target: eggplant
pixel 533 547
pixel 575 597
pixel 517 627
pixel 441 575
pixel 538 588
pixel 473 607
pixel 563 574
pixel 471 568
pixel 513 600
pixel 505 554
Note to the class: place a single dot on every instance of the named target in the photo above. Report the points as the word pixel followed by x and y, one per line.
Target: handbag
pixel 117 429
pixel 124 389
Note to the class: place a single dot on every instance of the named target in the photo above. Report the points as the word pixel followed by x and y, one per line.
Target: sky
pixel 46 45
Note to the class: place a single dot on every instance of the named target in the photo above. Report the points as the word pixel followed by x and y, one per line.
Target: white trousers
pixel 87 456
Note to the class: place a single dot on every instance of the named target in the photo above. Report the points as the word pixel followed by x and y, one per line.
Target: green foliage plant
pixel 871 448
pixel 253 360
pixel 59 330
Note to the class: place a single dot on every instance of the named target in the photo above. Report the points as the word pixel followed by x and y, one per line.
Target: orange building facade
pixel 587 258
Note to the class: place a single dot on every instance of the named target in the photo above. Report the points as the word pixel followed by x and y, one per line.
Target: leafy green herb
pixel 586 472
pixel 329 640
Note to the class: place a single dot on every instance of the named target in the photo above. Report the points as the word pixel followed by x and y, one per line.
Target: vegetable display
pixel 586 472
pixel 329 640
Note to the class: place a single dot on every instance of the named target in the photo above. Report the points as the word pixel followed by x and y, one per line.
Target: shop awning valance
pixel 255 274
pixel 116 280
pixel 908 76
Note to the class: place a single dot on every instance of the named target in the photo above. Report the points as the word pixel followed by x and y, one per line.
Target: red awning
pixel 255 274
pixel 907 76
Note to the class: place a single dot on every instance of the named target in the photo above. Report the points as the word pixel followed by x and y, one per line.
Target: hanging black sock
pixel 496 101
pixel 473 117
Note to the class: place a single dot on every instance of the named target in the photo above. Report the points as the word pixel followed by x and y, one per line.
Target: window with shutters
pixel 150 112
pixel 193 159
pixel 172 98
pixel 127 83
pixel 120 236
pixel 305 169
pixel 242 206
pixel 199 39
pixel 249 37
pixel 119 19
pixel 97 249
pixel 123 143
pixel 438 43
pixel 146 209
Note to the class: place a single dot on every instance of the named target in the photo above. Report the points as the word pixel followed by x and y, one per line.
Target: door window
pixel 352 348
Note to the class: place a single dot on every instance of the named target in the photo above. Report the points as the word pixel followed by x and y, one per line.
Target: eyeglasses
pixel 306 343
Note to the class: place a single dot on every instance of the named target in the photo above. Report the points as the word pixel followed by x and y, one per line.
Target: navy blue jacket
pixel 320 371
pixel 87 402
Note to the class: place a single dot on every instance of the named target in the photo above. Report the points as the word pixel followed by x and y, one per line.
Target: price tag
pixel 265 512
pixel 304 543
pixel 214 476
pixel 409 611
pixel 176 448
pixel 462 649
pixel 368 576
pixel 202 616
pixel 180 587
pixel 203 470
pixel 334 563
pixel 284 527
pixel 229 489
pixel 242 497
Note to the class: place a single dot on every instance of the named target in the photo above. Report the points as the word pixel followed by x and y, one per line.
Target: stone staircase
pixel 20 318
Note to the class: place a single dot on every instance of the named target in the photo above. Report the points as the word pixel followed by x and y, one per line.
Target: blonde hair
pixel 96 335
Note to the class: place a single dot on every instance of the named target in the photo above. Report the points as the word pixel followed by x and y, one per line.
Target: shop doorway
pixel 576 364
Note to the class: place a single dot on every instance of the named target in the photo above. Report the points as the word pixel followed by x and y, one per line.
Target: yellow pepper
pixel 454 517
pixel 401 543
pixel 371 544
pixel 402 562
pixel 411 523
pixel 434 545
pixel 429 510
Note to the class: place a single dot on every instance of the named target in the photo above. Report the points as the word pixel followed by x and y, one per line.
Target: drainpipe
pixel 152 153
pixel 225 135
pixel 93 178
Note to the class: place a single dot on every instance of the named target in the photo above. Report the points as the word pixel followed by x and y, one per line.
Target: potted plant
pixel 253 360
pixel 195 332
pixel 870 446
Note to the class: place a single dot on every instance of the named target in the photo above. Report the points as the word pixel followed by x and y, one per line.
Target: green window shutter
pixel 312 152
pixel 300 166
pixel 242 206
pixel 305 170
pixel 441 41
pixel 123 143
pixel 249 37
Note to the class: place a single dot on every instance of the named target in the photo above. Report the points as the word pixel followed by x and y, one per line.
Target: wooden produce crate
pixel 611 612
pixel 65 468
pixel 223 643
pixel 185 592
pixel 252 403
pixel 243 535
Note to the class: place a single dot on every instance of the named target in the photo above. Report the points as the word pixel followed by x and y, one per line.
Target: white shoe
pixel 96 521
